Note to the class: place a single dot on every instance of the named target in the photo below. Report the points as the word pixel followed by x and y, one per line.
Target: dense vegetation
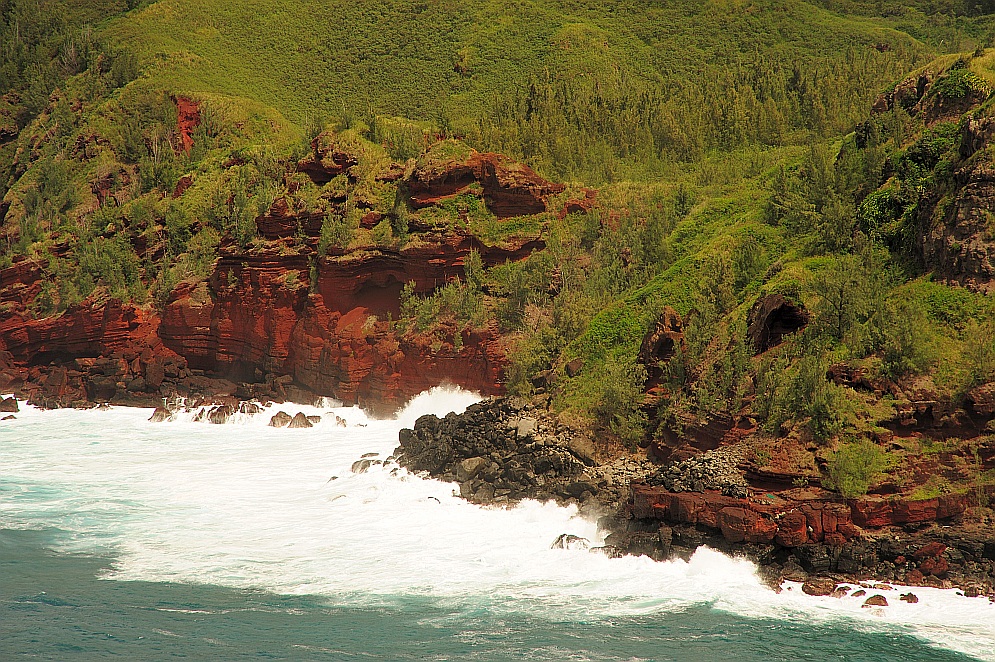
pixel 721 135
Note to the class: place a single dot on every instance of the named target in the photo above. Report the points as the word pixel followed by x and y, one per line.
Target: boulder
pixel 9 417
pixel 470 467
pixel 819 586
pixel 936 566
pixel 876 600
pixel 582 447
pixel 525 427
pixel 314 419
pixel 160 415
pixel 911 598
pixel 929 550
pixel 280 419
pixel 569 541
pixel 792 529
pixel 9 405
pixel 361 466
pixel 300 421
pixel 220 414
pixel 249 408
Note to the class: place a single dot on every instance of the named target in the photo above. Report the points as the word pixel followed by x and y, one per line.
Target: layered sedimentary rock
pixel 508 188
pixel 277 319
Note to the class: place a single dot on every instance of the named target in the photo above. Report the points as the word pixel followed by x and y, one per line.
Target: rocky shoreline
pixel 504 450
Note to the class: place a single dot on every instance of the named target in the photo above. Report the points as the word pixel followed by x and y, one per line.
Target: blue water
pixel 125 539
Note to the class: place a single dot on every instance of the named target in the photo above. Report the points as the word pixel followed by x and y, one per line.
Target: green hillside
pixel 579 89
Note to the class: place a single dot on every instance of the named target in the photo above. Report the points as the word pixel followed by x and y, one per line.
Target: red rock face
pixel 187 120
pixel 878 513
pixel 255 321
pixel 793 524
pixel 99 350
pixel 508 188
pixel 326 161
pixel 258 316
pixel 260 326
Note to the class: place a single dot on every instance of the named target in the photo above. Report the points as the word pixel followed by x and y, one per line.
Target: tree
pixel 855 467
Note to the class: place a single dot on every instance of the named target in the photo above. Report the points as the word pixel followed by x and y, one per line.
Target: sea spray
pixel 252 507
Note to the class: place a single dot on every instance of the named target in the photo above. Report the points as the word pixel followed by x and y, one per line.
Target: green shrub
pixel 335 231
pixel 460 301
pixel 520 284
pixel 900 332
pixel 381 235
pixel 978 354
pixel 618 396
pixel 855 467
pixel 958 82
pixel 799 391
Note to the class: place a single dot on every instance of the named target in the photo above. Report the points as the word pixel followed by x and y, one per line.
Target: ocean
pixel 121 538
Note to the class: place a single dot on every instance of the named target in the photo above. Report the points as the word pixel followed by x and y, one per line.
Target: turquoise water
pixel 122 538
pixel 52 606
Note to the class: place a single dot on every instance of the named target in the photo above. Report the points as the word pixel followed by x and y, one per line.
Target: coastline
pixel 503 450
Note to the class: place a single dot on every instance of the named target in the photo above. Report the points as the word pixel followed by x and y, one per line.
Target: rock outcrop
pixel 278 320
pixel 504 450
pixel 507 188
pixel 772 318
pixel 961 246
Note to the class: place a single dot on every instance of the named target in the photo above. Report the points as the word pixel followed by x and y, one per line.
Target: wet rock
pixel 300 421
pixel 819 586
pixel 314 419
pixel 877 600
pixel 609 551
pixel 249 408
pixel 361 466
pixel 569 541
pixel 280 419
pixel 160 415
pixel 341 422
pixel 911 598
pixel 9 405
pixel 643 544
pixel 814 558
pixel 10 417
pixel 220 414
pixel 859 593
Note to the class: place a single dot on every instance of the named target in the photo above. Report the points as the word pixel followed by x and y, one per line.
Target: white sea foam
pixel 247 505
